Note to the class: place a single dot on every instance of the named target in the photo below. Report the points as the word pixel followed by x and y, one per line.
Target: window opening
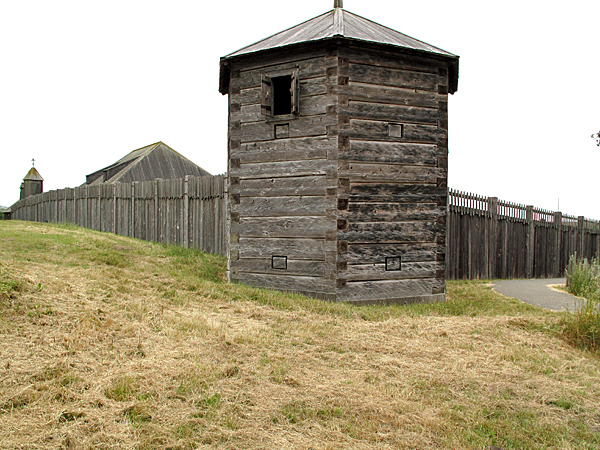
pixel 282 95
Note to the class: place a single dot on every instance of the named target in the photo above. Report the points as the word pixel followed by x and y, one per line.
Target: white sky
pixel 82 83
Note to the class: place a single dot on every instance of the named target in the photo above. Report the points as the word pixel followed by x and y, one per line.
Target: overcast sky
pixel 82 83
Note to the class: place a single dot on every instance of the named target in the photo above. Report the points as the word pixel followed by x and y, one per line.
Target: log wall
pixel 392 175
pixel 283 186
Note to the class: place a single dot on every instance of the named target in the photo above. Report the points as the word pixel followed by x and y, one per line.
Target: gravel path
pixel 537 292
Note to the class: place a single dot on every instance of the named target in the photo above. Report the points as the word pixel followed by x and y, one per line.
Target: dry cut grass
pixel 109 342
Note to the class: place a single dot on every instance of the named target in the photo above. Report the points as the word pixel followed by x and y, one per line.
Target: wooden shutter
pixel 294 91
pixel 266 105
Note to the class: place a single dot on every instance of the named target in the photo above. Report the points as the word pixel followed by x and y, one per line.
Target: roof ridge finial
pixel 338 3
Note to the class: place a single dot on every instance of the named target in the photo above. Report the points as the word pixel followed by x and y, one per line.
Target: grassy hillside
pixel 108 342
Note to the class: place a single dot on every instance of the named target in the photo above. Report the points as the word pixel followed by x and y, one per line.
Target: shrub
pixel 583 278
pixel 582 327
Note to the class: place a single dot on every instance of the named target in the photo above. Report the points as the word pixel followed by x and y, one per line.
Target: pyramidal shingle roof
pixel 339 22
pixel 34 175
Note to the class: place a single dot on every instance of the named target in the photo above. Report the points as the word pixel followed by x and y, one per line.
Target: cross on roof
pixel 33 162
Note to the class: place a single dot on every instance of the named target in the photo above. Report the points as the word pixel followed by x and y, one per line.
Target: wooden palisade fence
pixel 189 211
pixel 487 238
pixel 494 239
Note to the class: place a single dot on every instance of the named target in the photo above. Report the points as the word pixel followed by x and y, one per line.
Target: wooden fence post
pixel 132 212
pixel 87 196
pixel 156 221
pixel 580 237
pixel 530 242
pixel 186 212
pixel 114 196
pixel 493 239
pixel 100 208
pixel 558 226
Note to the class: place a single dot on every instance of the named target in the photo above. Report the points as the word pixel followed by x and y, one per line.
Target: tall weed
pixel 583 278
pixel 582 328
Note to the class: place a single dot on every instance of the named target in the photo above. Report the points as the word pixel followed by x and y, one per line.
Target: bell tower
pixel 33 183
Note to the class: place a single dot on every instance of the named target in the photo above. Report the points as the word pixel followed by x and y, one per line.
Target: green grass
pixel 582 328
pixel 128 344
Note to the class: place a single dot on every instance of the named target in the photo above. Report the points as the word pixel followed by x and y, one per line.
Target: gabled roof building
pixel 145 164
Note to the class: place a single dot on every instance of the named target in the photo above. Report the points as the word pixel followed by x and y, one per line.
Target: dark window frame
pixel 271 92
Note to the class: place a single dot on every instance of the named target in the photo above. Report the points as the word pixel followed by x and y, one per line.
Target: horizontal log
pixel 308 106
pixel 286 283
pixel 391 192
pixel 298 149
pixel 309 66
pixel 376 272
pixel 390 152
pixel 392 113
pixel 360 253
pixel 393 77
pixel 392 212
pixel 386 289
pixel 391 95
pixel 297 249
pixel 285 169
pixel 417 231
pixel 394 60
pixel 382 172
pixel 288 186
pixel 294 267
pixel 283 206
pixel 379 130
pixel 290 227
pixel 298 127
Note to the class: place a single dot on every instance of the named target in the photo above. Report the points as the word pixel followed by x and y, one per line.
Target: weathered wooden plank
pixel 391 95
pixel 294 267
pixel 386 172
pixel 286 283
pixel 283 206
pixel 297 249
pixel 285 169
pixel 299 127
pixel 390 152
pixel 392 212
pixel 309 65
pixel 393 77
pixel 366 253
pixel 309 106
pixel 299 149
pixel 417 231
pixel 292 227
pixel 380 130
pixel 387 289
pixel 391 113
pixel 395 60
pixel 409 270
pixel 288 186
pixel 389 192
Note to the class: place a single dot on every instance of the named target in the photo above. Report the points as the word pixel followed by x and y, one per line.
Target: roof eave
pixel 224 72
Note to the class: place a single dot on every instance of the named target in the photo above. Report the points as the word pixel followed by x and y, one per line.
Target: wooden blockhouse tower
pixel 32 184
pixel 338 157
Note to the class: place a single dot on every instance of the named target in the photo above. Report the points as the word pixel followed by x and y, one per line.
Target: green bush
pixel 583 278
pixel 582 327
